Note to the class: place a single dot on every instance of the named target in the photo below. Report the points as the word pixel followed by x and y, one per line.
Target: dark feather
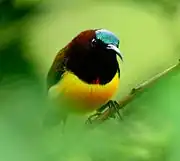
pixel 57 69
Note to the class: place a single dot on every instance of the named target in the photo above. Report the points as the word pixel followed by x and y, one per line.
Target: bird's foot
pixel 114 110
pixel 92 117
pixel 113 107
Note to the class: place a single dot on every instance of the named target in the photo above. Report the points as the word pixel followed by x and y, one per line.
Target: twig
pixel 122 103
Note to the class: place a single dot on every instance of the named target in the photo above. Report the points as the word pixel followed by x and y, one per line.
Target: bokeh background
pixel 33 31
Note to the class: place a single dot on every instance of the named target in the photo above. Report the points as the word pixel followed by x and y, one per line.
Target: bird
pixel 84 75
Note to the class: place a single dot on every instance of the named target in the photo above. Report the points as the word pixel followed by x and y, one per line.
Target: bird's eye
pixel 93 42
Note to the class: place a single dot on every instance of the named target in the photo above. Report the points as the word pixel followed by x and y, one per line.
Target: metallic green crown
pixel 107 37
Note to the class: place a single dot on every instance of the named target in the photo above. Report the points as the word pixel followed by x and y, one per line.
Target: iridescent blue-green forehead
pixel 107 37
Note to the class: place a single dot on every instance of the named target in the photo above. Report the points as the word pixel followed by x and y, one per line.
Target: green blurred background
pixel 33 31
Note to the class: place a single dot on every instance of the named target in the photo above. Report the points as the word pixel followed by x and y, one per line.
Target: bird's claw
pixel 92 117
pixel 113 107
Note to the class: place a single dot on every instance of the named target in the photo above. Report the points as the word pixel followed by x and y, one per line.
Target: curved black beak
pixel 116 49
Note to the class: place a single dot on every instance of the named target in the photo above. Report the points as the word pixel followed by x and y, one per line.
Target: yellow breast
pixel 87 97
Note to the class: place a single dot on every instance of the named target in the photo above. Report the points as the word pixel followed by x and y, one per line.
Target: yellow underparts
pixel 86 97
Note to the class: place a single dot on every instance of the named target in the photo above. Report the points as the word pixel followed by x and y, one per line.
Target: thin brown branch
pixel 122 103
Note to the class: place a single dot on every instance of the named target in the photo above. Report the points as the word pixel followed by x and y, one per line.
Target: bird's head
pixel 93 56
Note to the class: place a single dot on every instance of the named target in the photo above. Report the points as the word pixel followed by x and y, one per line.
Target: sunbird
pixel 85 74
